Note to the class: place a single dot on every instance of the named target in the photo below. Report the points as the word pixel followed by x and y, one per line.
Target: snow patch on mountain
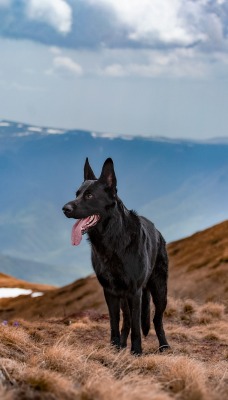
pixel 15 292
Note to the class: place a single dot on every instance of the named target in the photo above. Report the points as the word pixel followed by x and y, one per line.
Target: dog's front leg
pixel 135 311
pixel 113 304
pixel 126 322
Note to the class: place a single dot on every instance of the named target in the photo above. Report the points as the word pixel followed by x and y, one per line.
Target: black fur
pixel 129 258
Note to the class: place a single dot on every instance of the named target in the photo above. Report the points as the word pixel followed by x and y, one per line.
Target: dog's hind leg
pixel 158 288
pixel 126 322
pixel 159 298
pixel 113 304
pixel 145 313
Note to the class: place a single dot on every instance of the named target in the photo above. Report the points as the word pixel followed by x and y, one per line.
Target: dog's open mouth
pixel 81 227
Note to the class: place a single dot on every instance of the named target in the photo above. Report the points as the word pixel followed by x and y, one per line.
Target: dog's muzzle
pixel 68 209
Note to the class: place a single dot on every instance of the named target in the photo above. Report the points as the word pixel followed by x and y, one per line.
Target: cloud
pixel 55 50
pixel 115 70
pixel 155 20
pixel 115 24
pixel 154 63
pixel 66 66
pixel 56 13
pixel 171 23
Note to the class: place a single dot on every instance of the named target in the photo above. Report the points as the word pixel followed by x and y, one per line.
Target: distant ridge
pixel 25 129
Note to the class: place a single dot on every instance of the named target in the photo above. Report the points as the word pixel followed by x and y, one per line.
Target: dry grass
pixel 72 359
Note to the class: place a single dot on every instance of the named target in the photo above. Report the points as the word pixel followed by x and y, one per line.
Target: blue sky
pixel 137 67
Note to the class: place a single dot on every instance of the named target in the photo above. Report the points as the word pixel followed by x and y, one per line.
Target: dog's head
pixel 94 200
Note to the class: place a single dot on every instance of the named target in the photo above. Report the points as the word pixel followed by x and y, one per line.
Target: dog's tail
pixel 145 312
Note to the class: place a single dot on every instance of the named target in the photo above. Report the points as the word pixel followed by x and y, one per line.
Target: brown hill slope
pixel 11 282
pixel 198 270
pixel 79 296
pixel 199 265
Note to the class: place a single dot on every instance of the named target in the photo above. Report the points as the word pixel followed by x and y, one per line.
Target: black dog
pixel 128 255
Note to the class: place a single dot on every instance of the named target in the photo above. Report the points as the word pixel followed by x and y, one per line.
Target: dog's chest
pixel 116 276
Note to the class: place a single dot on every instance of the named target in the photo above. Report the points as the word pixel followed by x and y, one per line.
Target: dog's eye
pixel 88 195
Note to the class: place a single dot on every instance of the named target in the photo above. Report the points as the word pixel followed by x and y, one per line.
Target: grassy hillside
pixel 79 296
pixel 56 346
pixel 71 358
pixel 199 265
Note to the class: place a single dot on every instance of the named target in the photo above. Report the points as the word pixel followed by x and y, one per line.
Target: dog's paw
pixel 164 347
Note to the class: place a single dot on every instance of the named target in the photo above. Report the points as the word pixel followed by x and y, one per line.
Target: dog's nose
pixel 67 209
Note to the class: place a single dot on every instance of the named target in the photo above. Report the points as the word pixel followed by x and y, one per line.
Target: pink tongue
pixel 76 234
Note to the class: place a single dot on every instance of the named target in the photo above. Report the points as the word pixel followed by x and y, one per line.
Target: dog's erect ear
pixel 108 174
pixel 88 172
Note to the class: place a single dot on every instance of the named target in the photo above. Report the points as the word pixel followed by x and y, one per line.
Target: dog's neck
pixel 108 234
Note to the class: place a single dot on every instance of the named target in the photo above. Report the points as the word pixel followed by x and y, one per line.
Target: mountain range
pixel 181 185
